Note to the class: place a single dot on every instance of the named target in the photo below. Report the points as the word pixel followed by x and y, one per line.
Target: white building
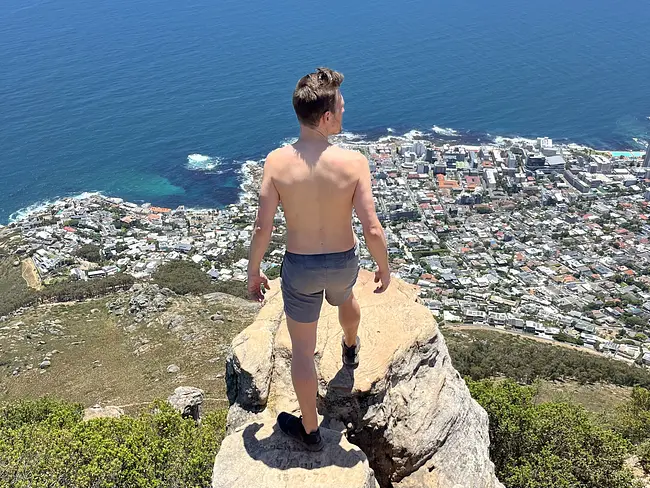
pixel 490 177
pixel 419 148
pixel 544 142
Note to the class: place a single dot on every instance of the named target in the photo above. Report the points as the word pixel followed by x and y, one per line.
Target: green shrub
pixel 551 445
pixel 643 451
pixel 183 277
pixel 235 288
pixel 186 277
pixel 14 292
pixel 562 337
pixel 81 290
pixel 488 354
pixel 633 417
pixel 45 443
pixel 230 257
pixel 273 272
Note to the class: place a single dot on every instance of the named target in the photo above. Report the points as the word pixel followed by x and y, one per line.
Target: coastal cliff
pixel 404 418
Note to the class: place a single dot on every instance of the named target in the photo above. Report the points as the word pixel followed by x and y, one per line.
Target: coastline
pixel 250 170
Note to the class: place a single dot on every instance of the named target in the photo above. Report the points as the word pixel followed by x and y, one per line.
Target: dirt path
pixel 30 275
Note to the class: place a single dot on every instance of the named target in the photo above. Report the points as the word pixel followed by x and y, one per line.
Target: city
pixel 523 236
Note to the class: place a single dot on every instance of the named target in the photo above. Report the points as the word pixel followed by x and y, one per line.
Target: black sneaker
pixel 292 426
pixel 351 354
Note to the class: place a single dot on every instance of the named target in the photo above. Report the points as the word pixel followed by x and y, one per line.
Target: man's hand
pixel 383 276
pixel 255 284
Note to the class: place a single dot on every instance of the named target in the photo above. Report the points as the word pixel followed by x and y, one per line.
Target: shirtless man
pixel 318 184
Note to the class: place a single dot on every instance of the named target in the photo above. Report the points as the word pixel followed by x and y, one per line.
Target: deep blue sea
pixel 113 95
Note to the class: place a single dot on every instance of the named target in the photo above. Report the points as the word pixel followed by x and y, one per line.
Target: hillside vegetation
pixel 45 443
pixel 487 354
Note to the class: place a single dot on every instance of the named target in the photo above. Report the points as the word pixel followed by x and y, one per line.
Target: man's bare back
pixel 316 183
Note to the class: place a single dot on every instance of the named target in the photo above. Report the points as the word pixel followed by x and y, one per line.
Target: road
pixel 527 336
pixel 415 202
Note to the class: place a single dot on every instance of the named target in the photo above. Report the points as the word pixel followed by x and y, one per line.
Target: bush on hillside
pixel 487 354
pixel 18 297
pixel 549 445
pixel 45 443
pixel 187 277
pixel 643 451
pixel 633 417
pixel 235 288
pixel 232 256
pixel 15 299
pixel 562 337
pixel 81 290
pixel 183 277
pixel 273 273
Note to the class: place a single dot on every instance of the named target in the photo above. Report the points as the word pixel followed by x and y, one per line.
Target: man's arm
pixel 268 204
pixel 373 232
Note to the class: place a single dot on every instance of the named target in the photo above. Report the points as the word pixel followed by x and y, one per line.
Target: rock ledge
pixel 258 454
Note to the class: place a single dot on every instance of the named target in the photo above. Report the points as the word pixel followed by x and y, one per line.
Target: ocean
pixel 162 101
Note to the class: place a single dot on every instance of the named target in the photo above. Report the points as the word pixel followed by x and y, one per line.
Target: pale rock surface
pixel 258 455
pixel 99 412
pixel 405 406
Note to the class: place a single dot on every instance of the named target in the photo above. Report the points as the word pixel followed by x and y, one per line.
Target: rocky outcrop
pixel 144 300
pixel 187 400
pixel 405 406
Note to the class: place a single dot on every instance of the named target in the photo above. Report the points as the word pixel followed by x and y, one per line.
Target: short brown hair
pixel 315 94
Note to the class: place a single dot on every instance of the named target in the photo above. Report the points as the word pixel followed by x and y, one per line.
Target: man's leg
pixel 303 370
pixel 349 318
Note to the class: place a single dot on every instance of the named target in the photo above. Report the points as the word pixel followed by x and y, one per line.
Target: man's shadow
pixel 278 451
pixel 338 404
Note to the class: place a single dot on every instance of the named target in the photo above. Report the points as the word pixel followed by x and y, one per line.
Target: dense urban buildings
pixel 526 235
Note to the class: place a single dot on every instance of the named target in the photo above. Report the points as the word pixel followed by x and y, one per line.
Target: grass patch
pixel 13 289
pixel 596 398
pixel 112 360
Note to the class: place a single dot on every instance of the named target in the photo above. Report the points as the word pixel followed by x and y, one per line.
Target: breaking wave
pixel 444 131
pixel 200 162
pixel 500 140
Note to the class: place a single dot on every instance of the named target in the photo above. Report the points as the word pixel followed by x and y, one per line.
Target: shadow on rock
pixel 338 404
pixel 277 451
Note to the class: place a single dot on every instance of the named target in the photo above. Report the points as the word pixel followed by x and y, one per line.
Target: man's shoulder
pixel 277 154
pixel 276 158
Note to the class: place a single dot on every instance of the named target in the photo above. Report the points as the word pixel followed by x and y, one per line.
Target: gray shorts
pixel 306 276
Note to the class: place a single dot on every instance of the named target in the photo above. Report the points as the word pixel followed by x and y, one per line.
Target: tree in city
pixel 90 252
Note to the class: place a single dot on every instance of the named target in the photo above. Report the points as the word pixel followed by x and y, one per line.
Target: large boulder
pixel 405 405
pixel 187 400
pixel 258 454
